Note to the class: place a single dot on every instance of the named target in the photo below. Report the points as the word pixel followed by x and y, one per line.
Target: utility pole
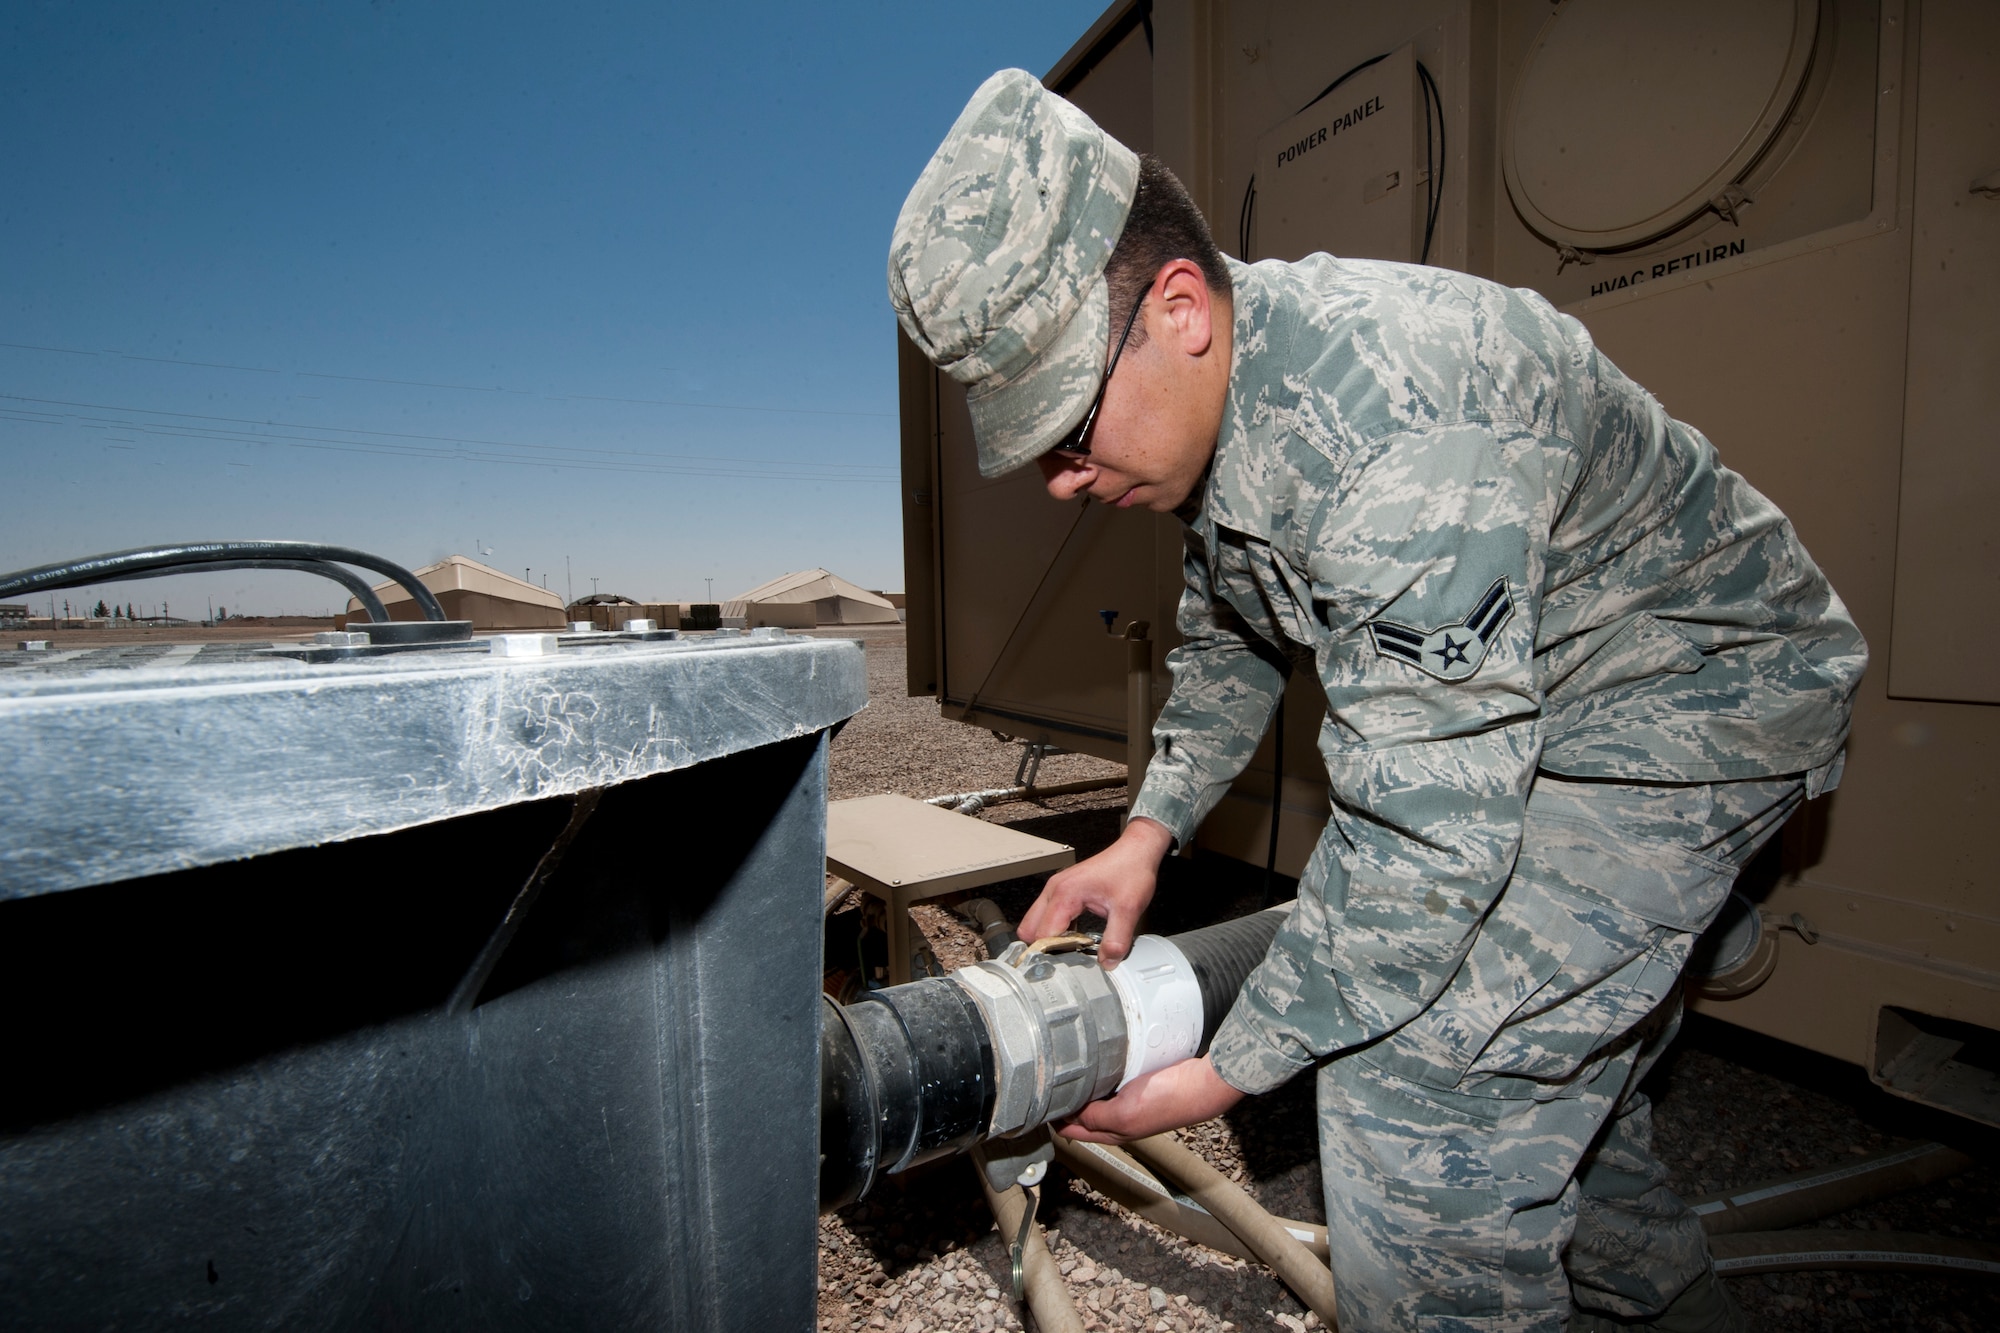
pixel 593 588
pixel 569 583
pixel 711 588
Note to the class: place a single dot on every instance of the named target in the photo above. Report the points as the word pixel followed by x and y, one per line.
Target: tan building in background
pixel 471 591
pixel 833 600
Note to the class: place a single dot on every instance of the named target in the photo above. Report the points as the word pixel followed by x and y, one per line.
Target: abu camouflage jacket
pixel 1499 554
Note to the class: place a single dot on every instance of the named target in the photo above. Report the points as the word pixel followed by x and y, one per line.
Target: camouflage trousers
pixel 1490 1165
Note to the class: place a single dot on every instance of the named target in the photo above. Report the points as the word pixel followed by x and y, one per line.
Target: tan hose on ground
pixel 1308 1278
pixel 1772 1205
pixel 1895 1251
pixel 1113 1173
pixel 1048 1297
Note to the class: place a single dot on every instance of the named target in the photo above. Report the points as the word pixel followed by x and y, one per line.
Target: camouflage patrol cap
pixel 996 268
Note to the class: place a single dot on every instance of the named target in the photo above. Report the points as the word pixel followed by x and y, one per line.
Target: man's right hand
pixel 1117 884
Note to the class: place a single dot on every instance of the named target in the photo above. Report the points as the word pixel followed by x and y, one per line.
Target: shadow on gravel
pixel 1808 1071
pixel 1733 1108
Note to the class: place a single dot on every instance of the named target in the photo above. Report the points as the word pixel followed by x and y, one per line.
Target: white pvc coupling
pixel 1162 1002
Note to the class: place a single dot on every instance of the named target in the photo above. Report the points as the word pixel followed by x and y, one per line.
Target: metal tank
pixel 1783 218
pixel 468 985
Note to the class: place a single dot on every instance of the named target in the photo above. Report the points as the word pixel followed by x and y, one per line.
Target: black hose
pixel 1223 956
pixel 148 561
pixel 906 1075
pixel 850 1110
pixel 326 569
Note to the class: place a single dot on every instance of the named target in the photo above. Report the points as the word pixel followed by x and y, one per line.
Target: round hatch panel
pixel 1629 117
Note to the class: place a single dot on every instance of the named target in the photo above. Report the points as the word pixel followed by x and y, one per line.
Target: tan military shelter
pixel 834 600
pixel 471 591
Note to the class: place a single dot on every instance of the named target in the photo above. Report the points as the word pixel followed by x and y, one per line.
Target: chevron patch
pixel 1452 652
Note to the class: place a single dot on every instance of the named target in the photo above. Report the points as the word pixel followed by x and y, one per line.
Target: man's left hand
pixel 1181 1094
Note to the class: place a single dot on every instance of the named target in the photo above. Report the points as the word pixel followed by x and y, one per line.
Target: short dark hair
pixel 1164 225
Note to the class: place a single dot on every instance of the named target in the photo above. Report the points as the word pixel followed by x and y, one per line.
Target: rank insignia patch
pixel 1453 652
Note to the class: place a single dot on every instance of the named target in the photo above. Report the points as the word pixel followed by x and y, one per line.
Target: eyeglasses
pixel 1076 444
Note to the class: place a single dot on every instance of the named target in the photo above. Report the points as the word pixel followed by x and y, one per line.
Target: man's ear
pixel 1180 293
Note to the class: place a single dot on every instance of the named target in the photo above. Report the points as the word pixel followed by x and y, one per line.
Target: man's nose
pixel 1066 477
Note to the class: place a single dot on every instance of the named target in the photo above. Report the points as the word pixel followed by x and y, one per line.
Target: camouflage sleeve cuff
pixel 1167 801
pixel 1246 1060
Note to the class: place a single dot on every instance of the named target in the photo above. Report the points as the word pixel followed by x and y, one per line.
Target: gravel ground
pixel 899 744
pixel 1732 1108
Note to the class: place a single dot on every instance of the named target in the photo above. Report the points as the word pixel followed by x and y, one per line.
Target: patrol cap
pixel 996 268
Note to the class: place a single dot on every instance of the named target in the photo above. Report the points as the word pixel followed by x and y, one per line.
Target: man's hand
pixel 1117 883
pixel 1181 1094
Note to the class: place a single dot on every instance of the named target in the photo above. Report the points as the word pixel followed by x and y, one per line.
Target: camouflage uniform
pixel 1576 673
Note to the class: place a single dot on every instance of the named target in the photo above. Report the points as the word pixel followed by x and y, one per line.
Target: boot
pixel 1705 1307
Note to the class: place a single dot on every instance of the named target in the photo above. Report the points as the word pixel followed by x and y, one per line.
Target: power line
pixel 416 384
pixel 384 434
pixel 533 454
pixel 724 407
pixel 193 425
pixel 461 456
pixel 461 388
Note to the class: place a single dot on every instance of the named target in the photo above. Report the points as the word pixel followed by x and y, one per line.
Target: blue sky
pixel 601 282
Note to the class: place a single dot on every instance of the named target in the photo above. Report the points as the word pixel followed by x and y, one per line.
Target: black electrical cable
pixel 148 561
pixel 1033 597
pixel 1277 791
pixel 1434 172
pixel 1244 216
pixel 1250 191
pixel 1433 168
pixel 1373 60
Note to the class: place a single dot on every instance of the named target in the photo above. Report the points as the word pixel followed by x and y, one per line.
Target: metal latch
pixel 1022 1161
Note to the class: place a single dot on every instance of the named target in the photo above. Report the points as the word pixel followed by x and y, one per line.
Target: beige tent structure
pixel 833 599
pixel 471 591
